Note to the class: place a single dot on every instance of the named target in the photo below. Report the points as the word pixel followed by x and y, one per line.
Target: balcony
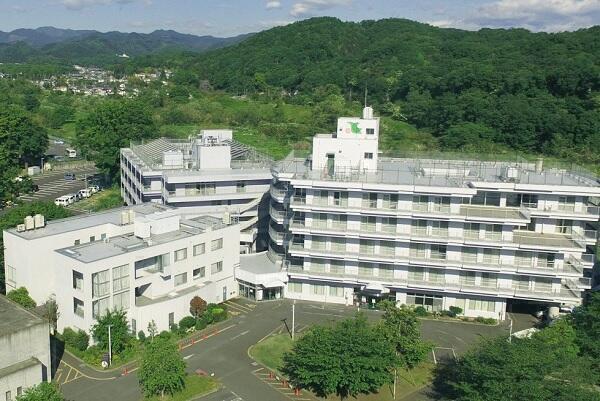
pixel 278 215
pixel 279 194
pixel 276 236
pixel 502 214
pixel 590 212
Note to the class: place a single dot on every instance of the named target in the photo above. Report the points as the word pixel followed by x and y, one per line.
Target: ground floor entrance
pixel 258 292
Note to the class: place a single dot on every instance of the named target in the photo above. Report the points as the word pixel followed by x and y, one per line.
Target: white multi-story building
pixel 356 227
pixel 207 174
pixel 147 259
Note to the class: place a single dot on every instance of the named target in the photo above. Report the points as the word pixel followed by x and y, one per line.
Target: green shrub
pixel 485 320
pixel 447 313
pixel 421 311
pixel 219 315
pixel 165 334
pixel 78 340
pixel 142 336
pixel 455 310
pixel 187 323
pixel 174 328
pixel 208 317
pixel 201 324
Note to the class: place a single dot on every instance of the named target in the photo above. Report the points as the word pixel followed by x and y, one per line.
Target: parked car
pixel 94 188
pixel 75 197
pixel 62 201
pixel 69 176
pixel 84 193
pixel 59 142
pixel 35 187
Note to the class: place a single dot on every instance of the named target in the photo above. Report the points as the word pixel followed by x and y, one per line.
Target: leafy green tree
pixel 22 139
pixel 545 367
pixel 41 392
pixel 470 137
pixel 21 296
pixel 51 312
pixel 349 359
pixel 119 331
pixel 586 321
pixel 162 370
pixel 111 126
pixel 152 329
pixel 402 329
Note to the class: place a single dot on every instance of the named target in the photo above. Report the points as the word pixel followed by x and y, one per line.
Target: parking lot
pixel 53 184
pixel 225 352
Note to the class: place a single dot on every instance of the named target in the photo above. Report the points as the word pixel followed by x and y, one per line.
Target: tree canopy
pixel 119 331
pixel 586 321
pixel 41 392
pixel 162 370
pixel 348 359
pixel 21 296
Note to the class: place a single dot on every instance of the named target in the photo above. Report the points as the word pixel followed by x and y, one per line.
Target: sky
pixel 231 17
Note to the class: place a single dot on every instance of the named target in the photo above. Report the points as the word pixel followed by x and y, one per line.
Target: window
pixel 92 238
pixel 8 396
pixel 77 242
pixel 432 303
pixel 11 274
pixel 133 326
pixel 206 189
pixel 483 306
pixel 340 198
pixel 336 291
pixel 180 279
pixel 216 244
pixel 100 284
pixel 77 280
pixel 467 278
pixel 121 301
pixel 100 307
pixel 102 237
pixel 78 307
pixel 171 319
pixel 564 226
pixel 318 289
pixel 486 198
pixel 438 252
pixel 418 250
pixel 216 267
pixel 370 131
pixel 199 249
pixel 180 254
pixel 295 287
pixel 337 267
pixel 199 272
pixel 240 187
pixel 120 278
pixel 416 273
pixel 369 155
pixel 390 201
pixel 19 391
pixel 366 269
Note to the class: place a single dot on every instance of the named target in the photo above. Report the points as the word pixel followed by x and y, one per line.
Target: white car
pixel 63 201
pixel 85 193
pixel 59 142
pixel 94 188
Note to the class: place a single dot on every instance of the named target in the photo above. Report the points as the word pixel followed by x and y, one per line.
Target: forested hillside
pixel 480 91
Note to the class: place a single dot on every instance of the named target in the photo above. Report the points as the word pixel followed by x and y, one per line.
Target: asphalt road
pixel 52 184
pixel 226 353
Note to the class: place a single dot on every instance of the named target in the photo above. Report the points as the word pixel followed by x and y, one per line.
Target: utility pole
pixel 293 318
pixel 109 346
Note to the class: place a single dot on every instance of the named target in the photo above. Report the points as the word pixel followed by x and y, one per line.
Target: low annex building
pixel 24 349
pixel 148 260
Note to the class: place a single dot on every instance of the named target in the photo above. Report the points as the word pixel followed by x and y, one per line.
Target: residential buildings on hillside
pixel 209 173
pixel 147 259
pixel 354 227
pixel 24 349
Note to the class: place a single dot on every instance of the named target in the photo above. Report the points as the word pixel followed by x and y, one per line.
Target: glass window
pixel 216 267
pixel 416 273
pixel 77 242
pixel 240 187
pixel 180 279
pixel 77 280
pixel 369 155
pixel 199 249
pixel 483 306
pixel 216 244
pixel 120 278
pixel 199 272
pixel 100 306
pixel 171 318
pixel 180 254
pixel 318 289
pixel 295 287
pixel 121 301
pixel 370 131
pixel 100 284
pixel 366 269
pixel 78 307
pixel 335 291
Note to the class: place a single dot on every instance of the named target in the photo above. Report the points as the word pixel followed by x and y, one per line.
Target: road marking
pixel 238 307
pixel 188 356
pixel 241 334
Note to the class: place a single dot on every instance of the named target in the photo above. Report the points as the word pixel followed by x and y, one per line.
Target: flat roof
pixel 258 263
pixel 80 222
pixel 443 173
pixel 13 317
pixel 122 244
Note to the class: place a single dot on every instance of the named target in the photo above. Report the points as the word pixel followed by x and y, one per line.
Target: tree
pixel 119 331
pixel 152 329
pixel 197 306
pixel 51 313
pixel 110 127
pixel 545 367
pixel 41 392
pixel 586 321
pixel 21 296
pixel 162 370
pixel 20 136
pixel 348 359
pixel 402 329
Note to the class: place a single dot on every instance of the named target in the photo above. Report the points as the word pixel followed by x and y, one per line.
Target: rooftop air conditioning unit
pixel 20 228
pixel 124 217
pixel 39 221
pixel 29 223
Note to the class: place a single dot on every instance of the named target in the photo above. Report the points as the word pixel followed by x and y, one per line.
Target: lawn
pixel 195 387
pixel 106 199
pixel 269 352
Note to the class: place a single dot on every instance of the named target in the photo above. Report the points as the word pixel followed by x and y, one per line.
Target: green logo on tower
pixel 355 128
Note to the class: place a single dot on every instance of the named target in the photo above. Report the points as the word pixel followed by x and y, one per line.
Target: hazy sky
pixel 230 17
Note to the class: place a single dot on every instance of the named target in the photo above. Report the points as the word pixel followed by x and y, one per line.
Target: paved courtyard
pixel 225 353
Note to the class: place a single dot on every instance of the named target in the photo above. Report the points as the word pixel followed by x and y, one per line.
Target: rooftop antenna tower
pixel 366 92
